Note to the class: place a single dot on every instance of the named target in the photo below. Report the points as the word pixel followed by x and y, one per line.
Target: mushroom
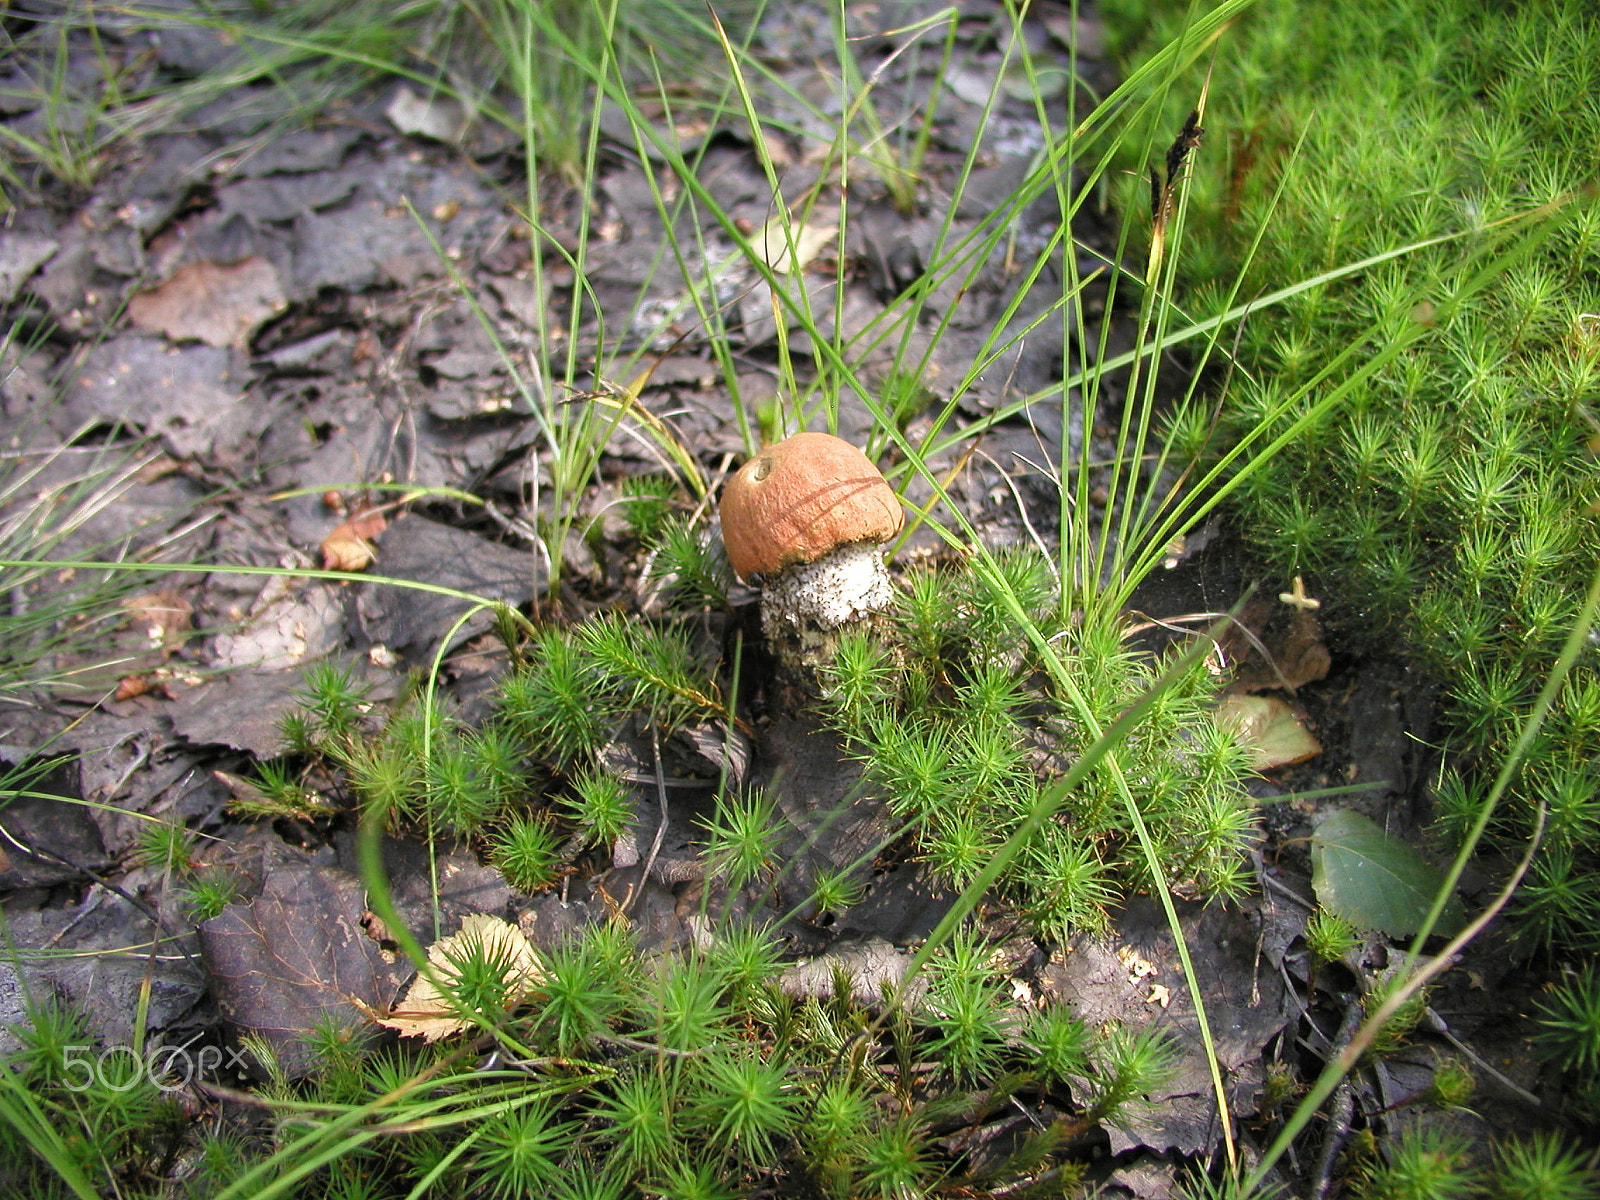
pixel 807 517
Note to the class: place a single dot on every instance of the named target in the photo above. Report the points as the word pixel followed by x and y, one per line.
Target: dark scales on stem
pixel 1188 139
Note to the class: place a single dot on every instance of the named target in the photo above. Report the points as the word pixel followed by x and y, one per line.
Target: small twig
pixel 1029 1183
pixel 183 531
pixel 1436 1024
pixel 1284 889
pixel 89 904
pixel 1174 625
pixel 142 906
pixel 1447 956
pixel 1341 1064
pixel 511 524
pixel 141 756
pixel 1341 1108
pixel 1022 511
pixel 661 829
pixel 526 1065
pixel 617 1039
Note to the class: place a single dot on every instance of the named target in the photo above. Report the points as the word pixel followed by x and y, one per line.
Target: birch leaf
pixel 483 941
pixel 1376 881
pixel 772 245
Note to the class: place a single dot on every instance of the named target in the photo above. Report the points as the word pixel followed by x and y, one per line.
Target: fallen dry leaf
pixel 162 617
pixel 1230 971
pixel 290 623
pixel 437 117
pixel 1295 655
pixel 349 547
pixel 133 685
pixel 218 305
pixel 157 623
pixel 1302 656
pixel 295 957
pixel 1269 728
pixel 429 1014
pixel 773 246
pixel 441 554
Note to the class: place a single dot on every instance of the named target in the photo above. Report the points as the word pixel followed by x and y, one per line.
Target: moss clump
pixel 961 739
pixel 1454 494
pixel 1451 495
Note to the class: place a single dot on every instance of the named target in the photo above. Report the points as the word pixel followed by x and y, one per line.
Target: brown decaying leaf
pixel 1122 980
pixel 349 547
pixel 1301 655
pixel 218 305
pixel 427 1013
pixel 295 957
pixel 1286 653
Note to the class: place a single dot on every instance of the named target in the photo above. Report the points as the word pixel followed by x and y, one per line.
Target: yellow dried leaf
pixel 426 1012
pixel 772 244
pixel 1269 729
pixel 349 547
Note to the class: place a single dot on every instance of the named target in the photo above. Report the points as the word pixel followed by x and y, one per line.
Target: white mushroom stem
pixel 842 586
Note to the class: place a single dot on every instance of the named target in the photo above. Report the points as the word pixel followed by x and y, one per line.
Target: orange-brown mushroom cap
pixel 801 498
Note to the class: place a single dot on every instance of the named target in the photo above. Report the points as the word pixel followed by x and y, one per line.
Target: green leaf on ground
pixel 1375 881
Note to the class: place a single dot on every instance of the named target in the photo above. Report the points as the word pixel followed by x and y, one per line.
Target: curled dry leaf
pixel 428 1013
pixel 1271 647
pixel 349 547
pixel 1269 728
pixel 134 685
pixel 1296 656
